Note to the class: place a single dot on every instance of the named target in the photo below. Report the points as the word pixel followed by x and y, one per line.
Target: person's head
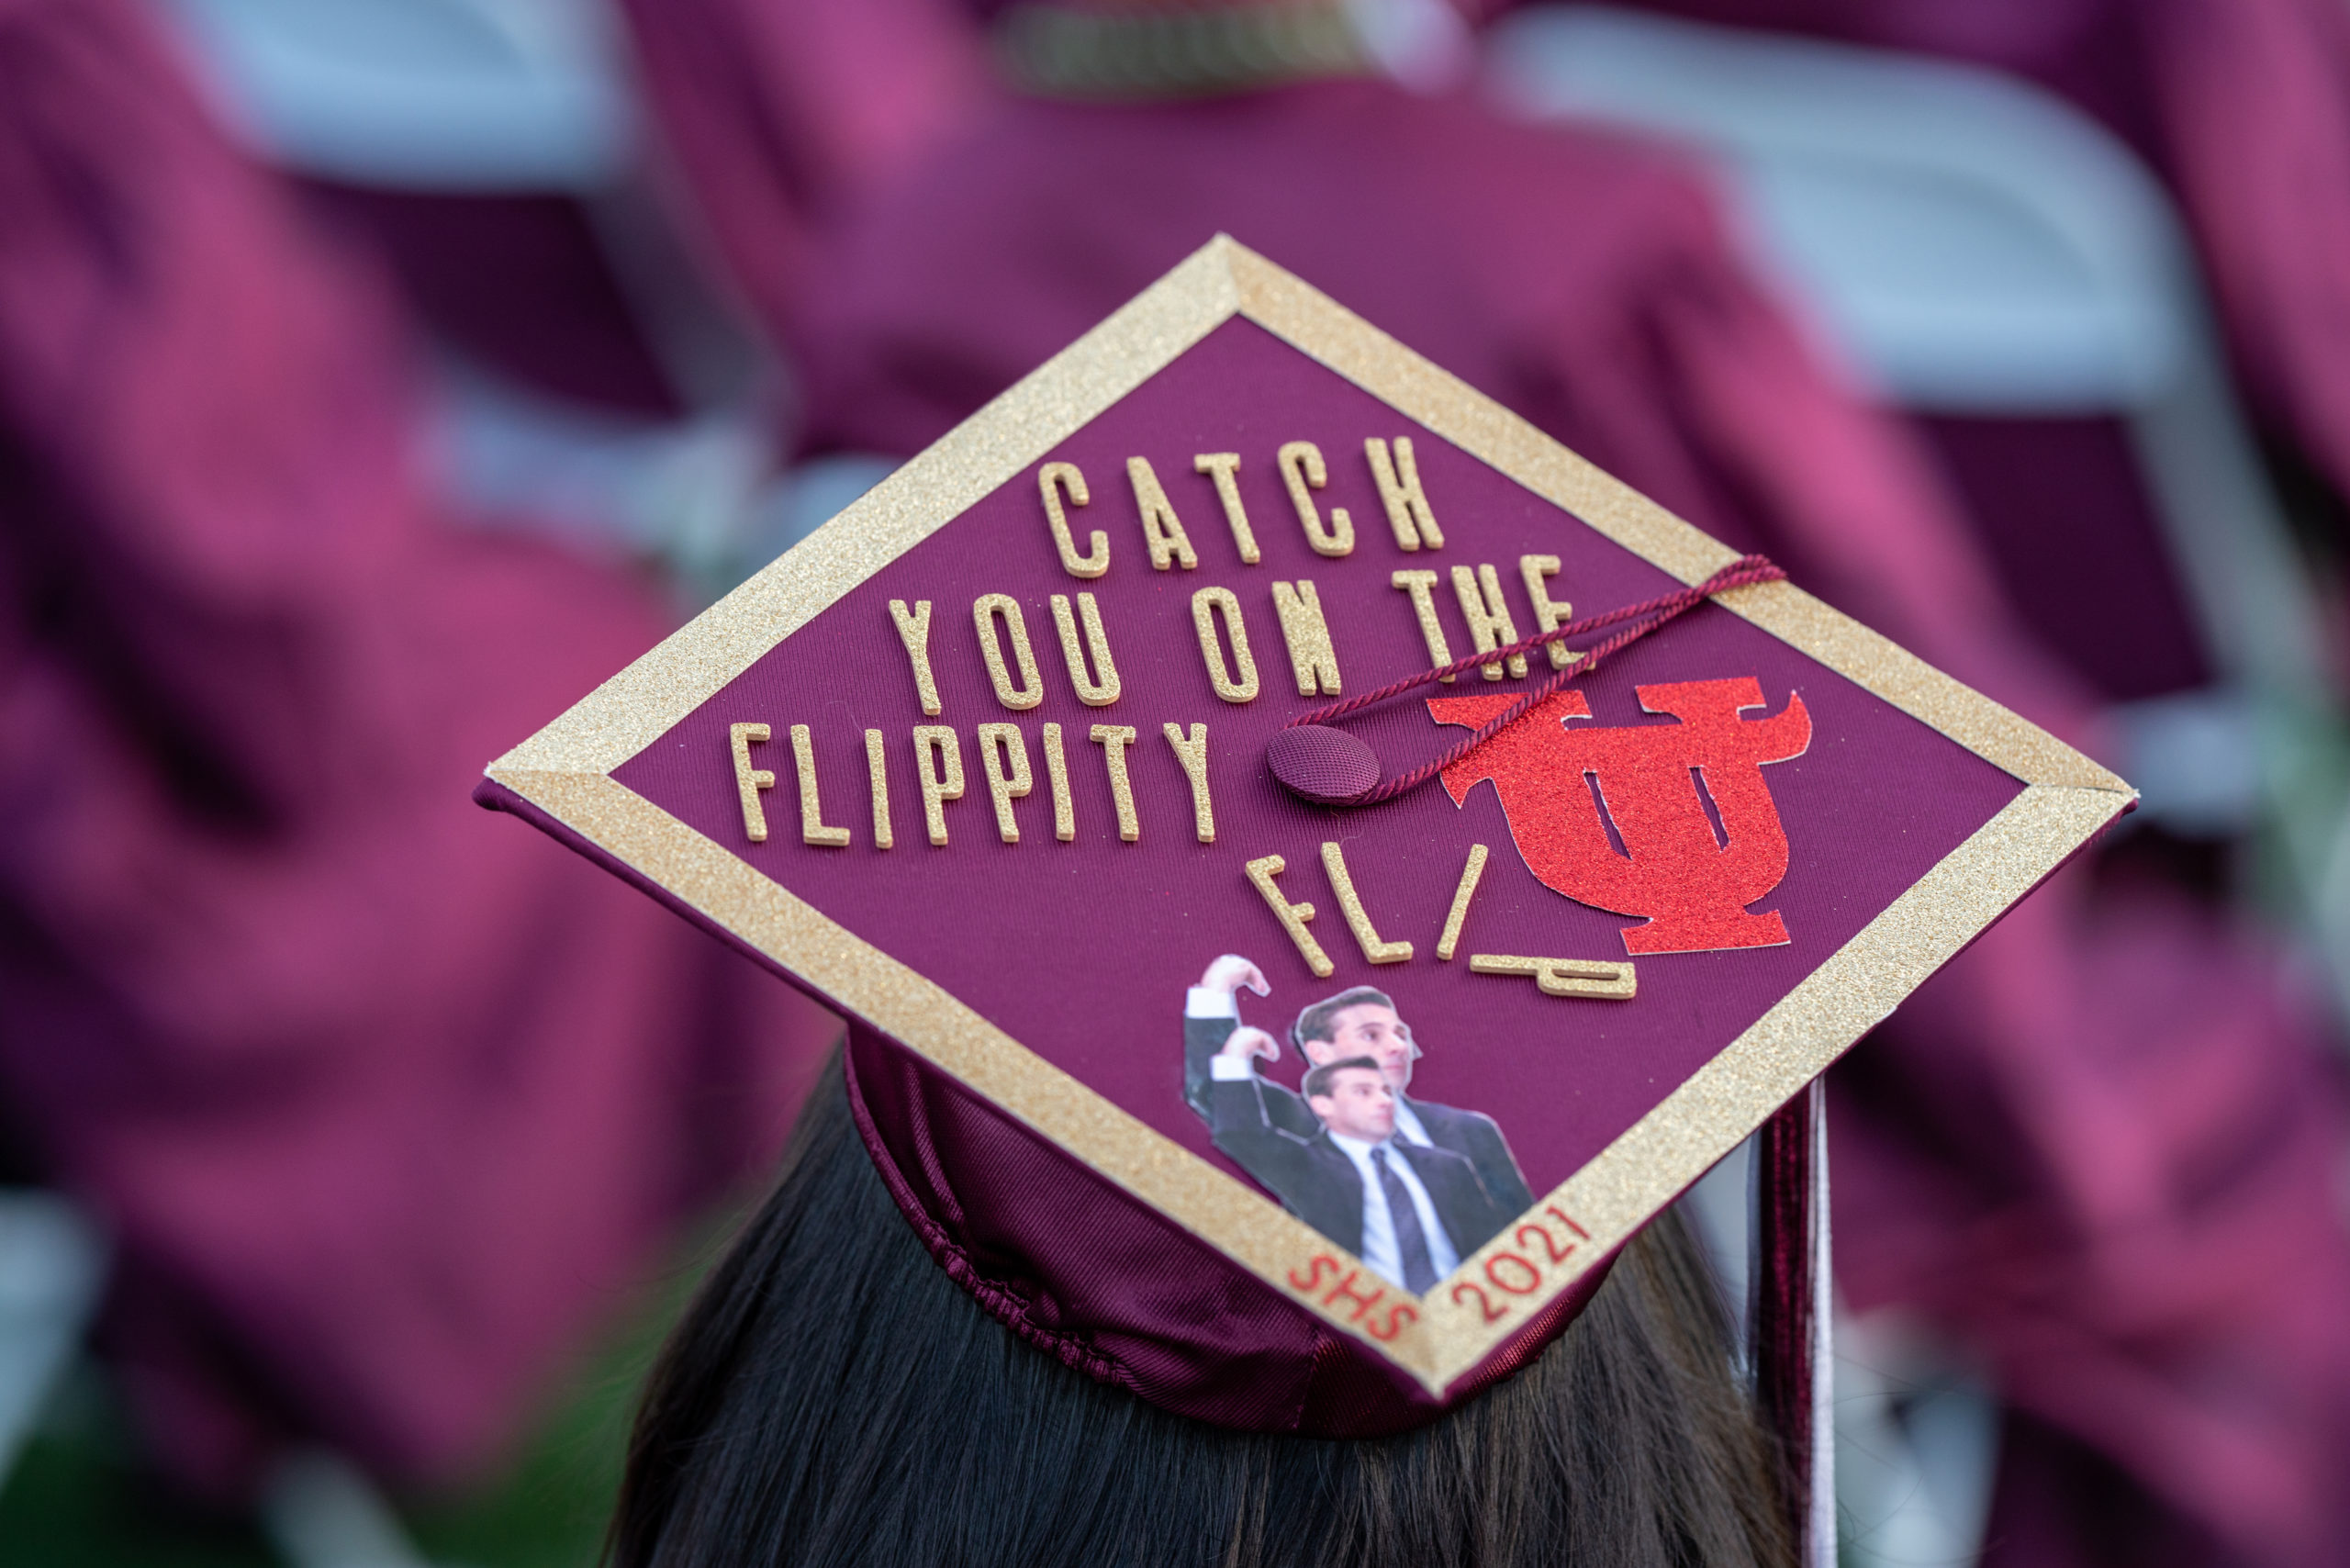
pixel 1351 1097
pixel 834 1399
pixel 1358 1021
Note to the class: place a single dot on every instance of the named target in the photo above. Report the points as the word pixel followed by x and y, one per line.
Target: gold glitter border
pixel 565 769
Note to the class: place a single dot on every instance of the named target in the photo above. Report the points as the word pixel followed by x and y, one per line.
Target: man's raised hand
pixel 1246 1042
pixel 1230 973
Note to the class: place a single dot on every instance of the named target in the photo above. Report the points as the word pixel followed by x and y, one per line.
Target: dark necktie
pixel 1411 1241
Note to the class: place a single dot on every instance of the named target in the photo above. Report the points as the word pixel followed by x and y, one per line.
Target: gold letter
pixel 880 775
pixel 1334 861
pixel 1097 560
pixel 1488 616
pixel 1056 774
pixel 1113 740
pixel 1458 914
pixel 1407 503
pixel 1161 529
pixel 1004 759
pixel 913 630
pixel 1031 689
pixel 1193 754
pixel 1549 614
pixel 1205 605
pixel 812 810
pixel 1301 466
pixel 1419 584
pixel 1293 916
pixel 750 780
pixel 1223 466
pixel 938 765
pixel 1596 978
pixel 1311 657
pixel 1091 693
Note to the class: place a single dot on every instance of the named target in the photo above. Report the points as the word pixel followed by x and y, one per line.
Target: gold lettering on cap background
pixel 1222 467
pixel 1408 513
pixel 750 780
pixel 1303 473
pixel 1053 480
pixel 986 611
pixel 1236 682
pixel 913 630
pixel 812 810
pixel 938 767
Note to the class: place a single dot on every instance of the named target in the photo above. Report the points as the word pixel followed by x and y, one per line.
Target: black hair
pixel 1313 1023
pixel 1318 1083
pixel 833 1400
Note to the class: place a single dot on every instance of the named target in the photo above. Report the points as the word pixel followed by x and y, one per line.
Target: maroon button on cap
pixel 1326 766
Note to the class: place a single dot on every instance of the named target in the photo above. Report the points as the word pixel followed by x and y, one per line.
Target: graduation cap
pixel 1311 866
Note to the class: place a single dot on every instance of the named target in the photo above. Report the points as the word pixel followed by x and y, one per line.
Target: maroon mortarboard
pixel 1238 695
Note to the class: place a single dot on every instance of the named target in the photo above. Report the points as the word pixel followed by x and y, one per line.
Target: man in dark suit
pixel 1358 1021
pixel 1410 1212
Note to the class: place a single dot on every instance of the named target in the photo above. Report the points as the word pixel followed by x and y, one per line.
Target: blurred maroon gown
pixel 2097 1147
pixel 778 115
pixel 384 1100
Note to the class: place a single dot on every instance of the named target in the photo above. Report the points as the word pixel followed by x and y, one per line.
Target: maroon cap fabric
pixel 983 765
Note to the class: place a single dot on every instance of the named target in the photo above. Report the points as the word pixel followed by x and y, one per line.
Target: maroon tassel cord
pixel 1786 1309
pixel 1331 767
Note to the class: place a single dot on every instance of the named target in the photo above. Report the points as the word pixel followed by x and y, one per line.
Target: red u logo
pixel 1691 884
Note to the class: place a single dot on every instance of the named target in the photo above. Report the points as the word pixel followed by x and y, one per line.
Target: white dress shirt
pixel 1380 1251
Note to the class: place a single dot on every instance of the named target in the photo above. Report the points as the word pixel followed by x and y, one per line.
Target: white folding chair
pixel 490 97
pixel 423 95
pixel 53 1262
